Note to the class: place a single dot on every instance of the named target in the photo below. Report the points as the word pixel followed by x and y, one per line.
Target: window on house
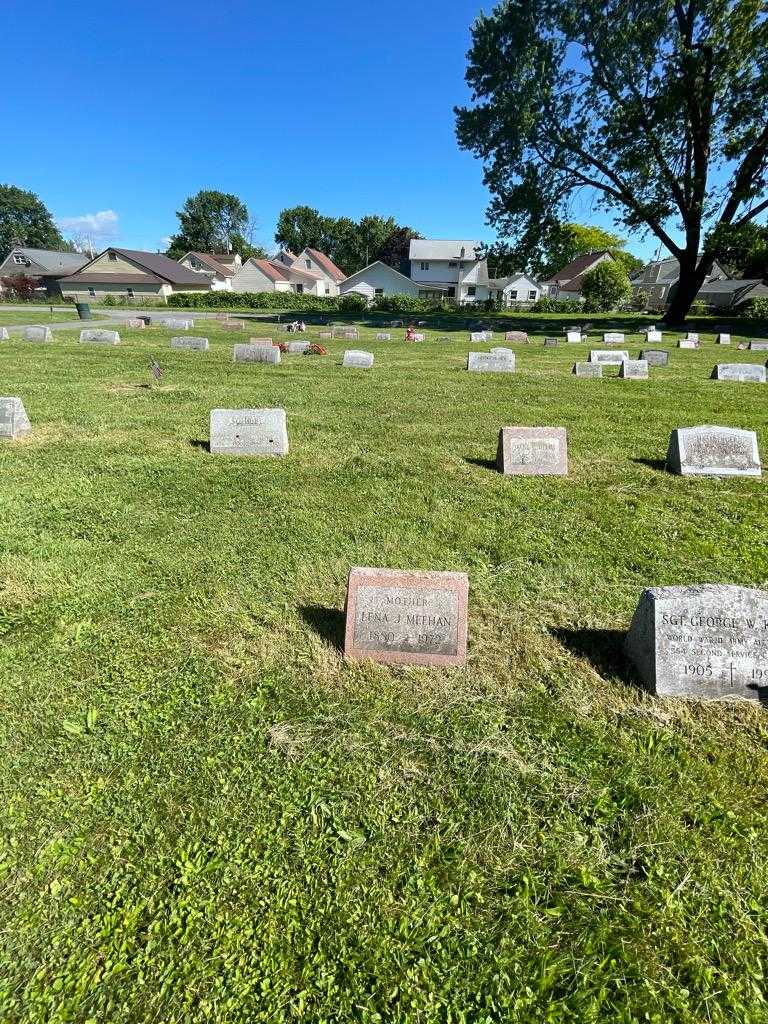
pixel 471 291
pixel 92 292
pixel 327 289
pixel 299 289
pixel 378 292
pixel 131 293
pixel 452 263
pixel 424 265
pixel 451 293
pixel 18 258
pixel 532 295
pixel 309 264
pixel 513 295
pixel 113 257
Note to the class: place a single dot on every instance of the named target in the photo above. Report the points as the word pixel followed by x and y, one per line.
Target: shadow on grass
pixel 660 465
pixel 603 648
pixel 197 443
pixel 328 623
pixel 482 463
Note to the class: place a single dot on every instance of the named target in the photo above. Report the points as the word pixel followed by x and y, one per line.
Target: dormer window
pixel 20 259
pixel 113 257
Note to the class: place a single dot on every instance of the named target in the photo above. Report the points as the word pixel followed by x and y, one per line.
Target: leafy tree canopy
pixel 658 108
pixel 605 287
pixel 210 221
pixel 352 245
pixel 25 221
pixel 744 250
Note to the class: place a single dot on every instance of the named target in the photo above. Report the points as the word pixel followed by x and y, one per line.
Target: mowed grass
pixel 35 315
pixel 208 816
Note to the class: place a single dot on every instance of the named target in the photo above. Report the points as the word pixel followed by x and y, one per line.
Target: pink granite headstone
pixel 402 617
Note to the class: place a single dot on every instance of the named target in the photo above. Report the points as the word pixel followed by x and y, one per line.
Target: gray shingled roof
pixel 52 261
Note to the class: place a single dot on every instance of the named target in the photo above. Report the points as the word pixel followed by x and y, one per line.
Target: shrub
pixel 546 305
pixel 253 300
pixel 605 287
pixel 758 309
pixel 109 300
pixel 20 286
pixel 352 302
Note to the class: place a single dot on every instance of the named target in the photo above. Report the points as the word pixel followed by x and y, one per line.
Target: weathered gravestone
pixel 613 338
pixel 692 336
pixel 655 356
pixel 501 351
pixel 248 432
pixel 532 451
pixel 713 451
pixel 652 335
pixel 96 337
pixel 419 337
pixel 383 336
pixel 297 347
pixel 136 323
pixel 233 325
pixel 326 335
pixel 491 362
pixel 723 339
pixel 191 343
pixel 519 336
pixel 355 358
pixel 260 341
pixel 634 369
pixel 256 354
pixel 708 641
pixel 4 334
pixel 687 343
pixel 608 357
pixel 588 369
pixel 478 336
pixel 574 337
pixel 14 422
pixel 37 334
pixel 407 618
pixel 758 346
pixel 550 342
pixel 176 323
pixel 754 372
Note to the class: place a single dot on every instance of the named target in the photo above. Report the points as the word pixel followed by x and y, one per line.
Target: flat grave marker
pixel 14 422
pixel 97 337
pixel 190 343
pixel 400 617
pixel 248 432
pixel 491 362
pixel 708 641
pixel 741 372
pixel 532 451
pixel 357 359
pixel 713 451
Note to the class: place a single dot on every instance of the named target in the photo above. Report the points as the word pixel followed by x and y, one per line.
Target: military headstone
pixel 358 359
pixel 634 369
pixel 248 432
pixel 608 356
pixel 97 337
pixel 708 641
pixel 491 362
pixel 407 617
pixel 655 356
pixel 14 422
pixel 37 334
pixel 588 369
pixel 754 372
pixel 191 343
pixel 532 451
pixel 713 451
pixel 613 338
pixel 723 339
pixel 256 354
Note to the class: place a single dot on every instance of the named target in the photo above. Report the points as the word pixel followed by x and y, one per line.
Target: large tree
pixel 301 226
pixel 209 221
pixel 394 251
pixel 24 220
pixel 657 106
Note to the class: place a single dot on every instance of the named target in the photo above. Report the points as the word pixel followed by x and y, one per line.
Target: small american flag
pixel 155 369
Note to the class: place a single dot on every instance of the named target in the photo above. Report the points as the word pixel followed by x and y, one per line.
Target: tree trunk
pixel 692 277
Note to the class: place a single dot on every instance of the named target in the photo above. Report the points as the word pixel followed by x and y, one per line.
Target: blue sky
pixel 114 113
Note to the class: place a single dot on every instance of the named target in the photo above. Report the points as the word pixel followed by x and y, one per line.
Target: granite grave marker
pixel 532 451
pixel 248 432
pixel 713 451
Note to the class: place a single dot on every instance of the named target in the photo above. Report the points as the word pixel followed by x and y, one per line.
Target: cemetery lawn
pixel 207 816
pixel 35 315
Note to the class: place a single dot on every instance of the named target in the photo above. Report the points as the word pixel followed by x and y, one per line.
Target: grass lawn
pixel 207 816
pixel 35 315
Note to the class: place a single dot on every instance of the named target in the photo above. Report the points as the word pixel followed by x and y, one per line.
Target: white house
pixel 377 280
pixel 219 269
pixel 318 263
pixel 451 269
pixel 257 275
pixel 516 290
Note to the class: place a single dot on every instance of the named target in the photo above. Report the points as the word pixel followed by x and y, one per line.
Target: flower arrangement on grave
pixel 316 350
pixel 282 345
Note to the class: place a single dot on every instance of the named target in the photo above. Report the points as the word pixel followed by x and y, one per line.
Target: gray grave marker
pixel 758 346
pixel 754 372
pixel 191 343
pixel 713 451
pixel 37 334
pixel 96 337
pixel 297 347
pixel 532 451
pixel 14 422
pixel 248 432
pixel 588 369
pixel 655 356
pixel 491 362
pixel 613 338
pixel 634 369
pixel 255 354
pixel 357 359
pixel 609 356
pixel 383 336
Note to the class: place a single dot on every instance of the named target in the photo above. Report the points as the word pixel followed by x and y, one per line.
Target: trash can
pixel 83 310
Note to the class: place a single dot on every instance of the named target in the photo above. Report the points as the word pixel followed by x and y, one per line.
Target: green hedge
pixel 252 300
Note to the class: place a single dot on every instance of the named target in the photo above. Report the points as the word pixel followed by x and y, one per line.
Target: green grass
pixel 207 816
pixel 35 315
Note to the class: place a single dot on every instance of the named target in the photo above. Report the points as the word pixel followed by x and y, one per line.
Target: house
pixel 46 266
pixel 257 275
pixel 658 278
pixel 219 269
pixel 449 269
pixel 377 280
pixel 318 263
pixel 566 283
pixel 517 290
pixel 286 257
pixel 132 274
pixel 731 293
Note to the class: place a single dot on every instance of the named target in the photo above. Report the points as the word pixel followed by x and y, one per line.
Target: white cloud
pixel 100 225
pixel 165 242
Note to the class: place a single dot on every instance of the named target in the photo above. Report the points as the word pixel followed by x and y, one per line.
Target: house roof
pixel 577 268
pixel 729 285
pixel 326 263
pixel 213 262
pixel 154 265
pixel 310 275
pixel 270 270
pixel 51 260
pixel 442 249
pixel 501 283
